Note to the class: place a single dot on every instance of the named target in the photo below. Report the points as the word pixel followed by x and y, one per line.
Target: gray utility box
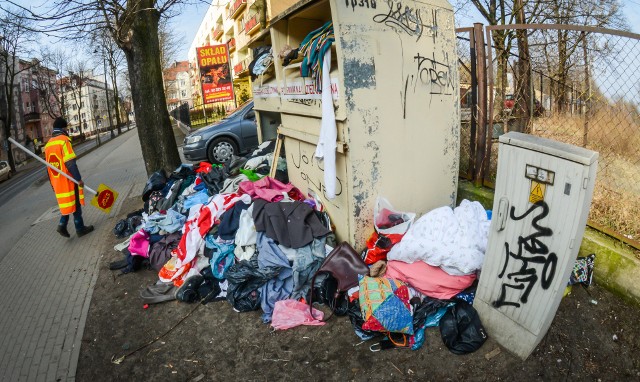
pixel 542 199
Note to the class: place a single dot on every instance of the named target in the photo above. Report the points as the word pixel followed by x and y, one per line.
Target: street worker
pixel 59 153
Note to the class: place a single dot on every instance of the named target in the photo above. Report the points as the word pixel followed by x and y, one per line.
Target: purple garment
pixel 269 189
pixel 139 244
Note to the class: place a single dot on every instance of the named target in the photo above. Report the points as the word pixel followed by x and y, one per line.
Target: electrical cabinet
pixel 542 199
pixel 395 92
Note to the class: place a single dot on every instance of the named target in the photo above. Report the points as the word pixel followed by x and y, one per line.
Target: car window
pixel 250 115
pixel 3 165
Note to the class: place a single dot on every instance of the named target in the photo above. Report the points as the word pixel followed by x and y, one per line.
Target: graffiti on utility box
pixel 532 253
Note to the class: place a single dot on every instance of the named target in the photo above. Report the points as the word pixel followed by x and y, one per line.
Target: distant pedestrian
pixel 59 153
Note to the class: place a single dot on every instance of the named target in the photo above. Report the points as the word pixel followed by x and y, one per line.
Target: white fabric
pixel 326 149
pixel 246 236
pixel 454 240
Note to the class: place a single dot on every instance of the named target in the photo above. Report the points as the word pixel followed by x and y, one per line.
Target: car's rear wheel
pixel 221 149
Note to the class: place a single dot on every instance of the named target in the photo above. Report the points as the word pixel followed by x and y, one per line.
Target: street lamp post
pixel 106 90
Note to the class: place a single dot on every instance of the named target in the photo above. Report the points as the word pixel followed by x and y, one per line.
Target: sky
pixel 187 19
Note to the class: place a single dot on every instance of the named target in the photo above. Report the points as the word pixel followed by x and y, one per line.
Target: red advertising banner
pixel 215 74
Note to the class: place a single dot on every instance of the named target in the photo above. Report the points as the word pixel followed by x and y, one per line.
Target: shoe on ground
pixel 84 230
pixel 62 230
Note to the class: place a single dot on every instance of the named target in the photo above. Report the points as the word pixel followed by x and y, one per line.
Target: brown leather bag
pixel 343 264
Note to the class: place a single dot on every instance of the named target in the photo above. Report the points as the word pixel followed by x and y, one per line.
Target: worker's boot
pixel 62 230
pixel 84 230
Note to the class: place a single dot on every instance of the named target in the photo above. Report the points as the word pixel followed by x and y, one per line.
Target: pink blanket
pixel 429 280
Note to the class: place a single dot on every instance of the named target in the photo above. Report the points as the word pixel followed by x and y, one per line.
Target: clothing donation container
pixel 393 96
pixel 542 199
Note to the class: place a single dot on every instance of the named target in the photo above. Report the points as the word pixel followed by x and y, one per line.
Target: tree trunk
pixel 157 140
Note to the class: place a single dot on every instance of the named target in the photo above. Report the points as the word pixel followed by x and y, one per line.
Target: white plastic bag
pixel 387 220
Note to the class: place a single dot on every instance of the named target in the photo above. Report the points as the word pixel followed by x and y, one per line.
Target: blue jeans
pixel 77 215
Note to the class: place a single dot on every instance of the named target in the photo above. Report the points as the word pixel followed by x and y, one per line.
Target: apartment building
pixel 37 84
pixel 232 23
pixel 85 104
pixel 177 85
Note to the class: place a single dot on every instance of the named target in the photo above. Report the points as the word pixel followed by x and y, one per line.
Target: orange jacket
pixel 56 152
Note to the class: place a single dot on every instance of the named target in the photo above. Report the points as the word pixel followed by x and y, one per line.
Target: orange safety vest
pixel 56 152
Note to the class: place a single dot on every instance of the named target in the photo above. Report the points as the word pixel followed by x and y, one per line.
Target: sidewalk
pixel 48 280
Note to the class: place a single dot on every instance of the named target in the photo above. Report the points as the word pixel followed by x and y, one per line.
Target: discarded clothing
pixel 291 313
pixel 429 280
pixel 230 221
pixel 139 244
pixel 454 240
pixel 160 252
pixel 306 261
pixel 170 222
pixel 279 287
pixel 292 224
pixel 270 190
pixel 313 48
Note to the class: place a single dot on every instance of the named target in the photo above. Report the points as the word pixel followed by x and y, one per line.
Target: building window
pixel 81 104
pixel 84 116
pixel 184 94
pixel 74 107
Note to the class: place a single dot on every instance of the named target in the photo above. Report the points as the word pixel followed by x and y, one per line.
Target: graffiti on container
pixel 435 74
pixel 531 251
pixel 309 166
pixel 305 101
pixel 404 17
pixel 360 3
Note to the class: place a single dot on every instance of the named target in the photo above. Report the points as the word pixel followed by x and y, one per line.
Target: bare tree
pixel 72 88
pixel 15 35
pixel 49 76
pixel 134 27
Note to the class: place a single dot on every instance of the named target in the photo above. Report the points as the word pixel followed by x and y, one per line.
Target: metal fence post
pixel 481 66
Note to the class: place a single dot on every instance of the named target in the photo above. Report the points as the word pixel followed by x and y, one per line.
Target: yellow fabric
pixel 57 151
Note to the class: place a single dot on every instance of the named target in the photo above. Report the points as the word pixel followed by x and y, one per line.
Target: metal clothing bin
pixel 395 90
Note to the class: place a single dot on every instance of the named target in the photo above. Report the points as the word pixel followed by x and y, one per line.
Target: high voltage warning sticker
pixel 537 192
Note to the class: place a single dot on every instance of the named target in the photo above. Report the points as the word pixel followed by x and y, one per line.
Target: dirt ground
pixel 594 337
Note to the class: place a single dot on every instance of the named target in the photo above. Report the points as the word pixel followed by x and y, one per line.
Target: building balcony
pixel 33 116
pixel 217 33
pixel 236 8
pixel 252 25
pixel 241 68
pixel 231 44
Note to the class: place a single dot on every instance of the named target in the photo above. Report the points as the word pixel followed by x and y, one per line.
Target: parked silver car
pixel 234 135
pixel 5 170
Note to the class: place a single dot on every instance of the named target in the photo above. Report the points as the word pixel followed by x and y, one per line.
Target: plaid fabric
pixel 385 305
pixel 583 270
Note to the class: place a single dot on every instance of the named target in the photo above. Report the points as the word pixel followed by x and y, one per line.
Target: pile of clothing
pixel 231 232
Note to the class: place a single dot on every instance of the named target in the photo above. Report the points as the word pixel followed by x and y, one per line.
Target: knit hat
pixel 60 123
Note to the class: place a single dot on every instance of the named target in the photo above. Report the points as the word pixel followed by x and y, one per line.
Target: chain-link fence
pixel 578 85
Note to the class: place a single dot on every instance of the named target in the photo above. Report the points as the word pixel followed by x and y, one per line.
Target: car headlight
pixel 193 139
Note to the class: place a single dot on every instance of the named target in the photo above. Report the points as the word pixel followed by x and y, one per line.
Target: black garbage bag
pixel 461 329
pixel 156 182
pixel 244 279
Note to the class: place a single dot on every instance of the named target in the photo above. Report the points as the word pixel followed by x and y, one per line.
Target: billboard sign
pixel 215 73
